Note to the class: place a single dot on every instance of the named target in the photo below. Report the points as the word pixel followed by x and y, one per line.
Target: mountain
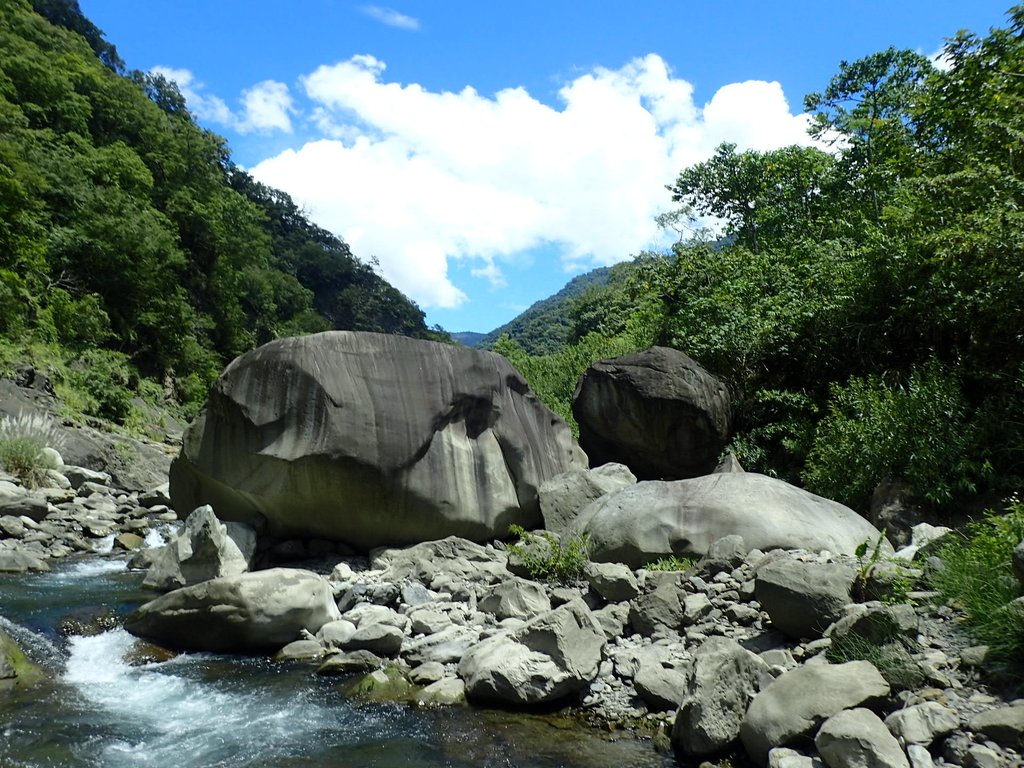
pixel 546 325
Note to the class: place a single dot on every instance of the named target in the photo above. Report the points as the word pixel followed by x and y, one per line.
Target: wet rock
pixel 353 662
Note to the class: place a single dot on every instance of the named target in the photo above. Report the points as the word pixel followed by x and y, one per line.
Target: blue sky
pixel 484 153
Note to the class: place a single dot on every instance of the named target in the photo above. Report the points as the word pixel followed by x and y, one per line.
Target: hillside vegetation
pixel 866 306
pixel 135 257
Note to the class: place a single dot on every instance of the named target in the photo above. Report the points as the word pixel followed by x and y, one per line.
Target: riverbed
pixel 207 710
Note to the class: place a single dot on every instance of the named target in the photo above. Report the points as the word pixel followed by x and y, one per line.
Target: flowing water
pixel 204 710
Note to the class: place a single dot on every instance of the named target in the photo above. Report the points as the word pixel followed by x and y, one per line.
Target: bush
pixel 545 558
pixel 22 442
pixel 977 576
pixel 892 660
pixel 674 563
pixel 917 432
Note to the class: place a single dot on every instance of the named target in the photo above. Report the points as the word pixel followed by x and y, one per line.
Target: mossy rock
pixel 15 667
pixel 388 684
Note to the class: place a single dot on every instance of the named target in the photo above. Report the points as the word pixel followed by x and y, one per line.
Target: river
pixel 211 711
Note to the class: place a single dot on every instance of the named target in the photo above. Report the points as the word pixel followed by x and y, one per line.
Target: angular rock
pixel 515 598
pixel 21 560
pixel 857 738
pixel 252 612
pixel 719 685
pixel 453 557
pixel 447 646
pixel 661 688
pixel 1004 725
pixel 549 658
pixel 659 607
pixel 614 582
pixel 378 639
pixel 447 692
pixel 562 497
pixel 922 723
pixel 204 549
pixel 652 520
pixel 803 599
pixel 613 619
pixel 350 663
pixel 798 701
pixel 372 439
pixel 428 673
pixel 783 757
pixel 657 411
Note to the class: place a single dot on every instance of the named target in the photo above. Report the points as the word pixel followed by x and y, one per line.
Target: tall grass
pixel 23 440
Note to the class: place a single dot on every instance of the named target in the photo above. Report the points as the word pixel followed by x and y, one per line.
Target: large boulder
pixel 657 411
pixel 652 519
pixel 548 658
pixel 372 439
pixel 252 612
pixel 803 599
pixel 204 549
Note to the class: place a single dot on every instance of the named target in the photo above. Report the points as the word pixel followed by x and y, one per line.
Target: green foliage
pixel 23 439
pixel 977 576
pixel 917 432
pixel 673 563
pixel 546 558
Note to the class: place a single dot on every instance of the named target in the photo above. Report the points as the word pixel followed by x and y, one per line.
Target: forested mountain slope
pixel 131 247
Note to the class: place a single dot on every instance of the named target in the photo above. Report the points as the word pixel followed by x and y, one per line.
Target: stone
pixel 656 411
pixel 24 503
pixel 658 608
pixel 563 496
pixel 614 582
pixel 515 598
pixel 353 662
pixel 335 634
pixel 79 476
pixel 427 621
pixel 857 738
pixel 300 650
pixel 549 658
pixel 613 619
pixel 1004 725
pixel 372 439
pixel 878 623
pixel 365 614
pixel 20 560
pixel 204 549
pixel 378 639
pixel 724 554
pixel 387 684
pixel 12 526
pixel 252 612
pixel 919 757
pixel 447 692
pixel 922 723
pixel 446 646
pixel 802 599
pixel 453 557
pixel 661 688
pixel 128 542
pixel 720 682
pixel 783 757
pixel 696 608
pixel 428 673
pixel 652 520
pixel 798 701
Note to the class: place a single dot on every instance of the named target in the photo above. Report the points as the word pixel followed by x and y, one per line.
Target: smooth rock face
pixel 372 439
pixel 252 612
pixel 798 701
pixel 562 497
pixel 204 549
pixel 857 738
pixel 720 683
pixel 657 411
pixel 652 520
pixel 548 658
pixel 803 599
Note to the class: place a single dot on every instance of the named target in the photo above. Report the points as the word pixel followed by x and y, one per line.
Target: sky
pixel 485 153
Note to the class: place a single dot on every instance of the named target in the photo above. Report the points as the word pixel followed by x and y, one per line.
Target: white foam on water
pixel 157 537
pixel 86 569
pixel 166 717
pixel 104 546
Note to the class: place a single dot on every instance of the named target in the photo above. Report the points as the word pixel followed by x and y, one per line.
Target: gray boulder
pixel 922 723
pixel 515 598
pixel 657 411
pixel 662 688
pixel 251 612
pixel 1004 725
pixel 549 658
pixel 796 703
pixel 372 439
pixel 562 497
pixel 660 606
pixel 612 581
pixel 720 683
pixel 652 520
pixel 379 639
pixel 803 599
pixel 205 548
pixel 857 738
pixel 451 558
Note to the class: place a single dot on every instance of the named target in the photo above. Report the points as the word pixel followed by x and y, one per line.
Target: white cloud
pixel 266 106
pixel 416 177
pixel 940 60
pixel 391 17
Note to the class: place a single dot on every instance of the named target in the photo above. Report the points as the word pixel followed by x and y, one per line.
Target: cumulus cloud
pixel 265 107
pixel 418 178
pixel 391 17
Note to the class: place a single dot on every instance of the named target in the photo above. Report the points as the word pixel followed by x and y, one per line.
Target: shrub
pixel 892 660
pixel 23 439
pixel 673 563
pixel 977 576
pixel 545 558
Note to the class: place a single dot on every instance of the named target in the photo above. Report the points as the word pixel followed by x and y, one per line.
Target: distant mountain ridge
pixel 544 327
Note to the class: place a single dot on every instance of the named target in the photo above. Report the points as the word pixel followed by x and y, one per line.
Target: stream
pixel 209 710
